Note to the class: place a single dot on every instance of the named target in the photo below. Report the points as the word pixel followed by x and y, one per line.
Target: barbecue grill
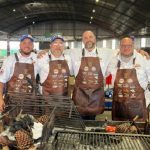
pixel 64 129
pixel 67 140
pixel 66 114
pixel 99 126
pixel 94 137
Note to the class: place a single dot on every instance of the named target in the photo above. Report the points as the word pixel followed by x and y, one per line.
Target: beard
pixel 89 45
pixel 26 53
pixel 127 56
pixel 57 53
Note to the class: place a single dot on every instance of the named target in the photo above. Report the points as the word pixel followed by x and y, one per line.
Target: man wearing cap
pixel 54 68
pixel 18 71
pixel 131 74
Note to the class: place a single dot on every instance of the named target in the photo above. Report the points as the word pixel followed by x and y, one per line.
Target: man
pixel 54 68
pixel 89 65
pixel 130 74
pixel 18 71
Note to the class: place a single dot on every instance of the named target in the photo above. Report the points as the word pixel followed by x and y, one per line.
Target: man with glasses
pixel 130 74
pixel 55 68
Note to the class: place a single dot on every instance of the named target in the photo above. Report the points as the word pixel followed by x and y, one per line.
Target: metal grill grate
pixel 66 115
pixel 97 141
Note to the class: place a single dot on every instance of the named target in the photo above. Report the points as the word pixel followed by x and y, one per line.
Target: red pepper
pixel 110 129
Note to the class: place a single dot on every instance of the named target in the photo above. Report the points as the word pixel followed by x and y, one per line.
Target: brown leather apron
pixel 88 94
pixel 128 98
pixel 57 80
pixel 22 81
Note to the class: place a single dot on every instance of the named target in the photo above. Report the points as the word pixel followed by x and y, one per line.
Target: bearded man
pixel 89 66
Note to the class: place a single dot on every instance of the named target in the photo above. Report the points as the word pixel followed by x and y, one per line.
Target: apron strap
pixel 83 52
pixel 96 52
pixel 16 56
pixel 118 64
pixel 64 56
pixel 50 57
pixel 134 61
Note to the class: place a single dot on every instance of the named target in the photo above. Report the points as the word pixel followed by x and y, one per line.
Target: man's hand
pixel 41 54
pixel 144 53
pixel 2 105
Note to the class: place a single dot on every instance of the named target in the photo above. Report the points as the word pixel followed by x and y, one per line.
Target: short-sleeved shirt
pixel 7 69
pixel 43 65
pixel 104 55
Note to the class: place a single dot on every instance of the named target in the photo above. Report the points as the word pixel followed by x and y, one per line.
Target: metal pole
pixel 8 45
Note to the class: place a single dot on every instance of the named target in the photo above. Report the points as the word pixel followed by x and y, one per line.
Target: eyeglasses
pixel 126 46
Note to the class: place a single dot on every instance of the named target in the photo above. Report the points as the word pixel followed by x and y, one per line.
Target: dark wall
pixel 44 45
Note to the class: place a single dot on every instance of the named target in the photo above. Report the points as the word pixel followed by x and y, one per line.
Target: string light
pixel 93 10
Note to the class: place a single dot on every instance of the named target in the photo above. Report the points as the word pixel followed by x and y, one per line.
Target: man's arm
pixel 147 65
pixel 5 74
pixel 144 53
pixel 41 54
pixel 2 103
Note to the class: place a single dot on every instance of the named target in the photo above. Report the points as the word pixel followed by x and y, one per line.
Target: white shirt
pixel 141 66
pixel 43 65
pixel 7 69
pixel 103 53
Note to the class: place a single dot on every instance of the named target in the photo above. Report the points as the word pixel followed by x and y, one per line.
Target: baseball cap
pixel 26 36
pixel 54 37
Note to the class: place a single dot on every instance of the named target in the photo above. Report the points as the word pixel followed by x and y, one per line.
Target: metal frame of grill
pixel 67 140
pixel 66 114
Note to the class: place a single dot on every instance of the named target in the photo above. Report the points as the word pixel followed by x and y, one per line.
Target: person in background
pixel 130 74
pixel 18 71
pixel 54 68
